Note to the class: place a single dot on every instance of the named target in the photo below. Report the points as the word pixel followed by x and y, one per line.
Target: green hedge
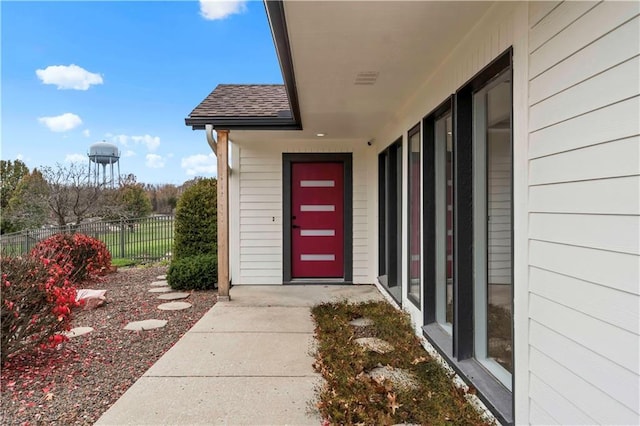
pixel 196 226
pixel 198 272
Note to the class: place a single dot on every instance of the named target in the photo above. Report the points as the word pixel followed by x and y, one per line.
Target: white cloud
pixel 151 142
pixel 61 123
pixel 75 158
pixel 86 133
pixel 121 139
pixel 200 164
pixel 220 9
pixel 129 153
pixel 155 161
pixel 20 157
pixel 68 77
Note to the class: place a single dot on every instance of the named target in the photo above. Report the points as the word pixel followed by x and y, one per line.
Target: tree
pixel 11 172
pixel 70 195
pixel 10 175
pixel 134 201
pixel 27 207
pixel 164 197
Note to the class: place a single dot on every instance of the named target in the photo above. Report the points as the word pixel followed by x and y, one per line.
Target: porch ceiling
pixel 333 41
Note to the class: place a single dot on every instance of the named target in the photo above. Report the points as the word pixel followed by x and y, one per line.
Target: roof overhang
pixel 278 24
pixel 351 67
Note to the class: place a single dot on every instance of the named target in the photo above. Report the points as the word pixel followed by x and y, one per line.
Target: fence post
pixel 122 234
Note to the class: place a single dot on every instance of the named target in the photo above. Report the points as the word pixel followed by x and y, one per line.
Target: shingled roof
pixel 243 103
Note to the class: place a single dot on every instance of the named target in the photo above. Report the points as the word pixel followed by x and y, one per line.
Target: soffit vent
pixel 366 78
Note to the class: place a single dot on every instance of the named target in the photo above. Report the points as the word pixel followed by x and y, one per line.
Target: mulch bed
pixel 350 395
pixel 78 381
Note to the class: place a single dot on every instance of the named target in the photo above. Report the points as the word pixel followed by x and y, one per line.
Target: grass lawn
pixel 120 262
pixel 349 396
pixel 147 240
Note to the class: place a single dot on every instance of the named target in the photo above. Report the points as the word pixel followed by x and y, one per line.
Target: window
pixel 493 188
pixel 444 220
pixel 468 233
pixel 390 219
pixel 415 191
pixel 438 214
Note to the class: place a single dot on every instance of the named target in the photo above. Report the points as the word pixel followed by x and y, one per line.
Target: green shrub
pixel 198 272
pixel 196 220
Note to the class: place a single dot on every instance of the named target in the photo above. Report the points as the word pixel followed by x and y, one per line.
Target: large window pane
pixel 415 190
pixel 448 184
pixel 499 261
pixel 493 191
pixel 444 221
pixel 390 219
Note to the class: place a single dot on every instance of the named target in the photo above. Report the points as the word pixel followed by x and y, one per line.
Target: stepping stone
pixel 158 283
pixel 161 277
pixel 173 296
pixel 374 344
pixel 361 322
pixel 174 306
pixel 145 325
pixel 78 331
pixel 399 378
pixel 160 290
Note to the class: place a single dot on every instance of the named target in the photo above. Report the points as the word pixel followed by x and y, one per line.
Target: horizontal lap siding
pixel 584 203
pixel 260 216
pixel 260 210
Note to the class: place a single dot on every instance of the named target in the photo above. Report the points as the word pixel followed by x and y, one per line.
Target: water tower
pixel 105 154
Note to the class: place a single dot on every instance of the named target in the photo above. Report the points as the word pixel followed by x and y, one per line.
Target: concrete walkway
pixel 247 361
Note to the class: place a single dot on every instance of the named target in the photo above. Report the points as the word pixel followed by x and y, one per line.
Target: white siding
pixel 260 209
pixel 584 203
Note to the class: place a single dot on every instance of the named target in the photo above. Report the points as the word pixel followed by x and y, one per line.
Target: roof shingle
pixel 245 101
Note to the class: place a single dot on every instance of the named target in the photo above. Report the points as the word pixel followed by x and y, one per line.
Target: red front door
pixel 317 219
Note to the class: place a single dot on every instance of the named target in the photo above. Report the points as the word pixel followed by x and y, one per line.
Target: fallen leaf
pixel 419 360
pixel 393 404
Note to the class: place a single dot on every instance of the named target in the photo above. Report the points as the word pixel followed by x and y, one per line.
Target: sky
pixel 75 73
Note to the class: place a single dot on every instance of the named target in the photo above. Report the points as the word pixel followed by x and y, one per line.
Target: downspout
pixel 211 140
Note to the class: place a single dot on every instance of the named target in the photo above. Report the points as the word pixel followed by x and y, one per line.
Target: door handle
pixel 295 226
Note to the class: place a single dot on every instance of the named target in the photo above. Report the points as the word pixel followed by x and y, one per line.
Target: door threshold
pixel 318 281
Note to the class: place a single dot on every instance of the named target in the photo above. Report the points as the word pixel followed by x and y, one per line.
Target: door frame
pixel 347 161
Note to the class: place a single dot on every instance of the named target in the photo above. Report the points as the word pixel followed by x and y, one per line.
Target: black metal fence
pixel 142 239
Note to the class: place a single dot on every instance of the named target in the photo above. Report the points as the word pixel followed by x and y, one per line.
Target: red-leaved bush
pixel 37 299
pixel 88 256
